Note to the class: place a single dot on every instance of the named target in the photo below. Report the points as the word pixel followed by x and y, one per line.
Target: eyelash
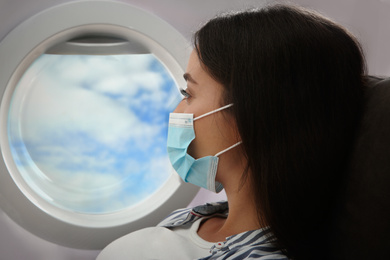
pixel 185 93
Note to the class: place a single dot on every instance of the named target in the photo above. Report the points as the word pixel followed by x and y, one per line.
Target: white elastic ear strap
pixel 214 111
pixel 227 149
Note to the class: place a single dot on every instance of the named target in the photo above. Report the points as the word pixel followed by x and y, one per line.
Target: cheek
pixel 194 148
pixel 207 138
pixel 198 147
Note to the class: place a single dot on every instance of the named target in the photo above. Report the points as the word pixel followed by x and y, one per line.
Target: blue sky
pixel 88 133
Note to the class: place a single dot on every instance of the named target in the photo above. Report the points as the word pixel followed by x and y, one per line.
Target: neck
pixel 242 210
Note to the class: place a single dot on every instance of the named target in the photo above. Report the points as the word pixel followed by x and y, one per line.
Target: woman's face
pixel 203 94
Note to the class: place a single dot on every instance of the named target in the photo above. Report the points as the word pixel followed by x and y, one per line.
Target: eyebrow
pixel 188 77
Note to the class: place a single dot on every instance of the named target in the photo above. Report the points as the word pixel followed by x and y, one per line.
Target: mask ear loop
pixel 229 148
pixel 214 111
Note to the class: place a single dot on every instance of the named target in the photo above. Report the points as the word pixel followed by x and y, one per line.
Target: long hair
pixel 296 80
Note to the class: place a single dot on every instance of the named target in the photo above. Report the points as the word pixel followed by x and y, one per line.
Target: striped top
pixel 255 244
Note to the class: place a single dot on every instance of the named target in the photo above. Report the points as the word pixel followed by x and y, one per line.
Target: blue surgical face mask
pixel 202 171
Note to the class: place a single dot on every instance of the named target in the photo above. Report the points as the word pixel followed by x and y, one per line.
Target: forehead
pixel 196 71
pixel 204 87
pixel 193 65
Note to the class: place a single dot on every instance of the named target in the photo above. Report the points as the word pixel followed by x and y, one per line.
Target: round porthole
pixel 86 95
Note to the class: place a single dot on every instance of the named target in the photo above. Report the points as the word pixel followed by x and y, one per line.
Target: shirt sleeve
pixel 177 217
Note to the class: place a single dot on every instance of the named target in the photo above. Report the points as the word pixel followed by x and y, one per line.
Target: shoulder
pixel 177 217
pixel 255 244
pixel 263 252
pixel 183 216
pixel 259 244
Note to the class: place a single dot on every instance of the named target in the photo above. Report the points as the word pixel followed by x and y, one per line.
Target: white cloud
pixel 70 119
pixel 52 106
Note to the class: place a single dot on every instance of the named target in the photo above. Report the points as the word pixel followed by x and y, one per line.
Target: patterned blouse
pixel 254 244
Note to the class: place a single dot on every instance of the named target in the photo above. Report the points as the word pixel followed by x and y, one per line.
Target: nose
pixel 180 107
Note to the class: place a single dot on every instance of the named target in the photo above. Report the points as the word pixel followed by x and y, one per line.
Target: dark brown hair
pixel 296 80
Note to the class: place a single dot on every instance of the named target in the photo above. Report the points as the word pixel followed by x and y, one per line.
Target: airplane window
pixel 84 109
pixel 88 132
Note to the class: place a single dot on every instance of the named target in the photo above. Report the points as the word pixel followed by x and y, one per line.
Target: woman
pixel 275 94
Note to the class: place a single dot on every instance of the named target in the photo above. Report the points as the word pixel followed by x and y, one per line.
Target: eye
pixel 185 93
